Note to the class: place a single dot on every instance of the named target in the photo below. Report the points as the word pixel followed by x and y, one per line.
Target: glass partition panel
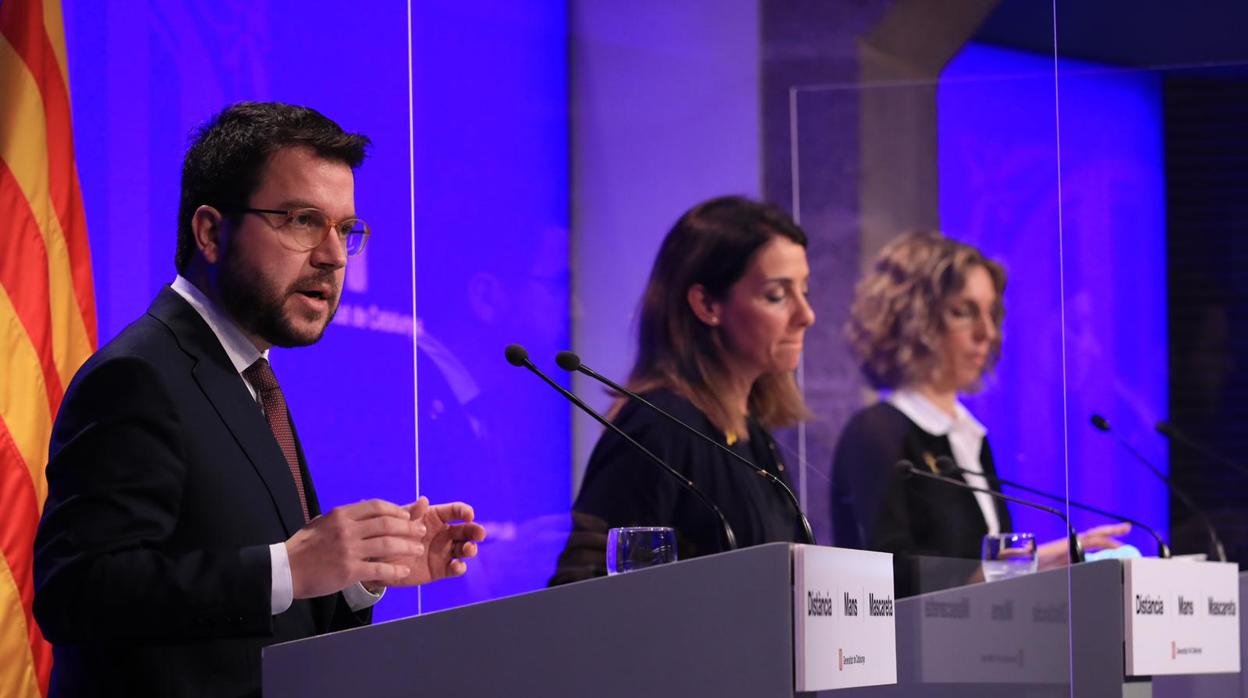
pixel 489 135
pixel 1152 200
pixel 938 130
pixel 468 165
pixel 144 77
pixel 991 168
pixel 1151 149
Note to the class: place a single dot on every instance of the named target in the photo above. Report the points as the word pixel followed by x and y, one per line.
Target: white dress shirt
pixel 966 437
pixel 243 354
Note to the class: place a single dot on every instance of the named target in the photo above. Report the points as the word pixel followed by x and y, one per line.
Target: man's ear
pixel 206 227
pixel 704 306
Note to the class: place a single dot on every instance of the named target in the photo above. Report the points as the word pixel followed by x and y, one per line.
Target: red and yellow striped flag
pixel 47 307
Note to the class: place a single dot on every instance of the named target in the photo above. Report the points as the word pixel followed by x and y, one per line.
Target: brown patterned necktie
pixel 261 377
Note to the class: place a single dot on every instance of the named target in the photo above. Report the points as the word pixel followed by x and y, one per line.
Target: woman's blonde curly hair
pixel 896 321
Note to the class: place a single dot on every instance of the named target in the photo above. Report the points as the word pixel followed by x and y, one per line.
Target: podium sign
pixel 1011 631
pixel 1180 617
pixel 844 612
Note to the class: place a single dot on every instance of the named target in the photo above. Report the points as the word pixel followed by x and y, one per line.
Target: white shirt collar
pixel 931 418
pixel 241 351
pixel 966 440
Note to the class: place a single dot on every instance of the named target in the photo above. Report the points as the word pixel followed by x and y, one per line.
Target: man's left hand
pixel 450 538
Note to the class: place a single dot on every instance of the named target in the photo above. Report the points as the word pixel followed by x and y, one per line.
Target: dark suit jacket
pixel 165 490
pixel 930 526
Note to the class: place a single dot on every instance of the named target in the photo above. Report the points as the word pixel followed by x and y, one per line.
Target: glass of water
pixel 1009 555
pixel 637 547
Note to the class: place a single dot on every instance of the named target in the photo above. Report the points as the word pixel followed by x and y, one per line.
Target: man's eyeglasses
pixel 303 229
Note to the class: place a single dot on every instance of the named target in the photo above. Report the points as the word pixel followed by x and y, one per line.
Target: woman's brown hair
pixel 713 245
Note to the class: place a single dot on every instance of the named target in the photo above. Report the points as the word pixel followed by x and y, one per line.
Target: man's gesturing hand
pixel 374 540
pixel 446 543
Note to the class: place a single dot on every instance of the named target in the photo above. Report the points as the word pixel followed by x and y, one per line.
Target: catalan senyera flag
pixel 47 307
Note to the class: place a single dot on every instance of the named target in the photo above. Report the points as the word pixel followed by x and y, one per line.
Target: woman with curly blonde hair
pixel 925 326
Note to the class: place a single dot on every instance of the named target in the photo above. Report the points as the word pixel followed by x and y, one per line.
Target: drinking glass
pixel 1009 555
pixel 637 547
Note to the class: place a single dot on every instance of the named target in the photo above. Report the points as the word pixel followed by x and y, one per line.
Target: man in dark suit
pixel 181 532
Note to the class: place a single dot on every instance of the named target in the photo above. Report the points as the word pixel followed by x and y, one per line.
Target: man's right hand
pixel 338 549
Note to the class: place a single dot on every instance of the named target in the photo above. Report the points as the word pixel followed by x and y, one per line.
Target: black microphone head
pixel 1099 422
pixel 1165 428
pixel 568 360
pixel 904 467
pixel 516 355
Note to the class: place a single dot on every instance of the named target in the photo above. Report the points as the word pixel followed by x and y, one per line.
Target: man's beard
pixel 260 309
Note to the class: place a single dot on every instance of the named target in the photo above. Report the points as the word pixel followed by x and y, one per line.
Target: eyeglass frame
pixel 330 225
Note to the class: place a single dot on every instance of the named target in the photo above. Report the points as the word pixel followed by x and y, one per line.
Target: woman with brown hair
pixel 720 334
pixel 925 325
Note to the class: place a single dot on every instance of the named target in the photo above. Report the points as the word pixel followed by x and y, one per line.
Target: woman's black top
pixel 922 521
pixel 622 487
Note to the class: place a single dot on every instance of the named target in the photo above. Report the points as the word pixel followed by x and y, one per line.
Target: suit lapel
pixel 224 389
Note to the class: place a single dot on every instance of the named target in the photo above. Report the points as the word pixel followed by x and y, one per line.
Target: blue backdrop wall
pixel 1085 327
pixel 467 189
pixel 481 189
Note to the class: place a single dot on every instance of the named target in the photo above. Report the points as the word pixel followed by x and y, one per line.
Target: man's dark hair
pixel 223 165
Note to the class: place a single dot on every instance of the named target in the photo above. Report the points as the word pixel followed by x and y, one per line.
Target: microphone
pixel 1173 433
pixel 907 469
pixel 1103 425
pixel 1163 550
pixel 519 357
pixel 569 361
